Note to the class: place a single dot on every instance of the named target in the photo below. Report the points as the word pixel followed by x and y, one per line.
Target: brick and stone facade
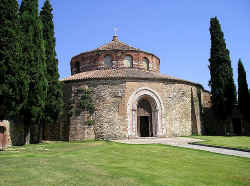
pixel 94 60
pixel 131 101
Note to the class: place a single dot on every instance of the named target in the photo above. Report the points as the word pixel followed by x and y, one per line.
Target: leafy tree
pixel 243 94
pixel 33 50
pixel 86 102
pixel 54 100
pixel 222 84
pixel 13 77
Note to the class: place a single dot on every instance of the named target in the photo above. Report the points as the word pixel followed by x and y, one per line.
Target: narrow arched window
pixel 77 66
pixel 128 61
pixel 146 63
pixel 108 61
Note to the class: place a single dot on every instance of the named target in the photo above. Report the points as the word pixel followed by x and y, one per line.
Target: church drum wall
pixel 181 103
pixel 95 60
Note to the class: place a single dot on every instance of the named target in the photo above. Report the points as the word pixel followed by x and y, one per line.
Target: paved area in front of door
pixel 184 142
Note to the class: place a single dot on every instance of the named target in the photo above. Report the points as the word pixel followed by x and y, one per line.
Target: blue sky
pixel 177 31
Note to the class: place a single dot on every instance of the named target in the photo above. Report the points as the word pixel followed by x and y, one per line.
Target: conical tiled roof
pixel 123 74
pixel 115 44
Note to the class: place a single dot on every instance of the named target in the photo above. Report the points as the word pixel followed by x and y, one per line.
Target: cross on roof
pixel 115 31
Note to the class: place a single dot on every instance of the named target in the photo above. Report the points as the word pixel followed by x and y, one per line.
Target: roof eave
pixel 137 78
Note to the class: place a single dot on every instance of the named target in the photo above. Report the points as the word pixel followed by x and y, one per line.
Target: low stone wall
pixel 58 131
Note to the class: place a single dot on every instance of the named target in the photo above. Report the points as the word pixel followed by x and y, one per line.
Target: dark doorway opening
pixel 237 126
pixel 144 118
pixel 2 138
pixel 2 129
pixel 144 126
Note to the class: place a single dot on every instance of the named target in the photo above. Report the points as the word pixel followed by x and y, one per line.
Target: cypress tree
pixel 54 101
pixel 13 77
pixel 34 56
pixel 222 84
pixel 243 94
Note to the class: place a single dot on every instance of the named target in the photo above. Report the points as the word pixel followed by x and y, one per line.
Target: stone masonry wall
pixel 178 102
pixel 181 104
pixel 206 99
pixel 107 96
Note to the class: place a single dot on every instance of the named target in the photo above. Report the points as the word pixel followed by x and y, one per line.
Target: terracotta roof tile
pixel 128 73
pixel 116 44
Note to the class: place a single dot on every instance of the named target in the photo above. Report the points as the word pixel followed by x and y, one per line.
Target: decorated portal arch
pixel 145 114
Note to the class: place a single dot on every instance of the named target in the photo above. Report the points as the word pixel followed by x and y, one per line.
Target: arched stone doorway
pixel 145 114
pixel 146 121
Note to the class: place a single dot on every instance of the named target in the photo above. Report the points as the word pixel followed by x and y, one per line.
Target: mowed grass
pixel 113 164
pixel 240 142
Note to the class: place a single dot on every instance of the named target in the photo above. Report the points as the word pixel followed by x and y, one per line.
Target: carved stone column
pixel 155 122
pixel 134 122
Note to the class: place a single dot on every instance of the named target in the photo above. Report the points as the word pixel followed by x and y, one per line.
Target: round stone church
pixel 131 97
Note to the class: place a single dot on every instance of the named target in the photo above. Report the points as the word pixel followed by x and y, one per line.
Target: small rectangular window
pixel 77 67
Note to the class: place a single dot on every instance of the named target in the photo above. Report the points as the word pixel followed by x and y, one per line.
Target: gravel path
pixel 184 142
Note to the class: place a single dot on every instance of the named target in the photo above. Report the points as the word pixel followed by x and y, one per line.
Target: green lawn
pixel 107 163
pixel 240 142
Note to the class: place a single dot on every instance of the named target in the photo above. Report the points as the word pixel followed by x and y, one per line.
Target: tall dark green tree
pixel 13 77
pixel 243 94
pixel 54 101
pixel 34 56
pixel 222 84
